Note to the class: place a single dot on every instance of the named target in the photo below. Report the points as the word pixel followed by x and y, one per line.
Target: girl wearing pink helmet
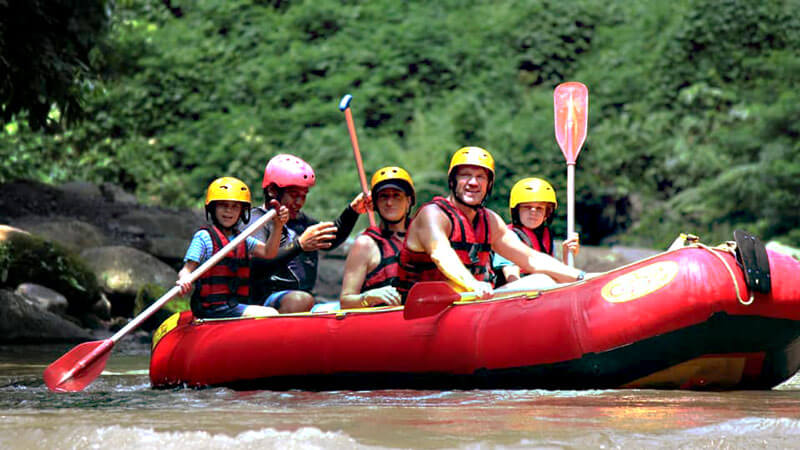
pixel 286 282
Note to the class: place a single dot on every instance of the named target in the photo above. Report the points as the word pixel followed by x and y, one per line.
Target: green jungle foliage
pixel 692 124
pixel 45 56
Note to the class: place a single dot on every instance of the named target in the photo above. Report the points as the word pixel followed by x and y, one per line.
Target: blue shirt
pixel 201 248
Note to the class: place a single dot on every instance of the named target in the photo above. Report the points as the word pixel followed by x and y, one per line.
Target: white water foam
pixel 137 438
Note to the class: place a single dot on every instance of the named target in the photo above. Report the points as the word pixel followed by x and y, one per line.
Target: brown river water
pixel 120 411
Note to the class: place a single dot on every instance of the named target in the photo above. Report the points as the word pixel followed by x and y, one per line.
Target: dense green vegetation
pixel 45 56
pixel 692 125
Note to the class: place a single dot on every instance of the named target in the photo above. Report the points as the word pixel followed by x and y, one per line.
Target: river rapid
pixel 120 411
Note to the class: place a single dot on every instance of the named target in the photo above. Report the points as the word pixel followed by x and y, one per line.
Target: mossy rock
pixel 28 258
pixel 147 295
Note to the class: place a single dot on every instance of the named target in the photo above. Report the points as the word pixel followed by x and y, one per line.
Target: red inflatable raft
pixel 691 318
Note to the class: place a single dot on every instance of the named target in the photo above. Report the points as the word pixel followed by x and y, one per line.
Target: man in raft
pixel 286 281
pixel 451 239
pixel 370 271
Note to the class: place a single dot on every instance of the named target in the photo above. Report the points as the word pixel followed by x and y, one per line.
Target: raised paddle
pixel 344 105
pixel 429 298
pixel 571 106
pixel 77 368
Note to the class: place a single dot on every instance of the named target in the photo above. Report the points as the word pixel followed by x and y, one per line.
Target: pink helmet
pixel 288 170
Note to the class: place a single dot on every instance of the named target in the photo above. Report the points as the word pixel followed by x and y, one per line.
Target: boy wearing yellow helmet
pixel 451 239
pixel 532 202
pixel 223 290
pixel 370 271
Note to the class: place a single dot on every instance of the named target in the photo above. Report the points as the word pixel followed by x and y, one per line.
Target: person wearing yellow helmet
pixel 532 202
pixel 451 239
pixel 370 271
pixel 223 290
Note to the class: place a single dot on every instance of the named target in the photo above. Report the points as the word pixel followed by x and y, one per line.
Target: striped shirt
pixel 201 248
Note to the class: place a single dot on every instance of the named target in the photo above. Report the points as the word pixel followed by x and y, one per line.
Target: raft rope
pixel 727 248
pixel 694 241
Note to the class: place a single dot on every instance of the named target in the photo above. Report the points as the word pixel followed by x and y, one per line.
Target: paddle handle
pixel 197 273
pixel 570 209
pixel 344 105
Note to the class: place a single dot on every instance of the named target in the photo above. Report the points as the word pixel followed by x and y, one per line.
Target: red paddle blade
pixel 429 298
pixel 77 368
pixel 571 105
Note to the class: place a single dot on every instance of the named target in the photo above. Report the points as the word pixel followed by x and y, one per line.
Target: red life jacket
pixel 469 240
pixel 226 283
pixel 532 240
pixel 385 274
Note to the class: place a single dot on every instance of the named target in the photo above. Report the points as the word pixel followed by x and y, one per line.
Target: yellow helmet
pixel 231 189
pixel 392 176
pixel 473 156
pixel 228 188
pixel 532 190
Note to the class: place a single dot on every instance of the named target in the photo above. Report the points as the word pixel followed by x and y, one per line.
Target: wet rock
pixel 74 235
pixel 23 321
pixel 102 308
pixel 46 298
pixel 122 271
pixel 32 259
pixel 8 233
pixel 115 194
pixel 81 189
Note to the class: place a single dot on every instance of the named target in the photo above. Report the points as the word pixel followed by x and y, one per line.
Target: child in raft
pixel 224 290
pixel 532 203
pixel 370 270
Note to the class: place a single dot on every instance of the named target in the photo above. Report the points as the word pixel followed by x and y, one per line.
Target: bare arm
pixel 429 233
pixel 506 243
pixel 511 272
pixel 364 257
pixel 269 249
pixel 183 276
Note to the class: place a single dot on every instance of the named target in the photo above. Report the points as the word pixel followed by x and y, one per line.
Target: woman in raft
pixel 370 270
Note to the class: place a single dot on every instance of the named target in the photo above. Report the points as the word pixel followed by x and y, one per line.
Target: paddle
pixel 571 106
pixel 429 298
pixel 344 105
pixel 77 368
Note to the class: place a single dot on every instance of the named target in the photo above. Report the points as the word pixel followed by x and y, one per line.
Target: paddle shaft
pixel 344 106
pixel 570 209
pixel 197 273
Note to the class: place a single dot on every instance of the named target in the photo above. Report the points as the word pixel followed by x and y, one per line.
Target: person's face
pixel 533 214
pixel 392 204
pixel 472 183
pixel 293 198
pixel 228 212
